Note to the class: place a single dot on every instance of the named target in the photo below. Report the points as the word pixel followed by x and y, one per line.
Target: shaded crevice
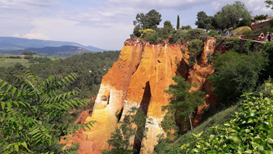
pixel 136 69
pixel 108 100
pixel 182 69
pixel 118 115
pixel 144 105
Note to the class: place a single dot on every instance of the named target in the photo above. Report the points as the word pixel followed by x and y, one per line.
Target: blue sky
pixel 101 23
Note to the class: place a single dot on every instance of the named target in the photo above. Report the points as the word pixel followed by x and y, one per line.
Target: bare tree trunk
pixel 190 121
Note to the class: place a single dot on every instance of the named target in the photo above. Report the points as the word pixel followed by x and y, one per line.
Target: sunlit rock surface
pixel 138 79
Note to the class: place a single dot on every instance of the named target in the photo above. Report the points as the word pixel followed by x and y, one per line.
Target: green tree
pixel 261 17
pixel 167 29
pixel 213 33
pixel 149 20
pixel 249 131
pixel 31 113
pixel 188 27
pixel 25 52
pixel 232 15
pixel 178 22
pixel 120 138
pixel 195 49
pixel 136 31
pixel 187 35
pixel 203 20
pixel 236 73
pixel 183 101
pixel 269 3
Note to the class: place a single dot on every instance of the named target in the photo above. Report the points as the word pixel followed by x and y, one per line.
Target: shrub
pixel 213 33
pixel 30 113
pixel 149 35
pixel 250 131
pixel 236 73
pixel 195 49
pixel 178 36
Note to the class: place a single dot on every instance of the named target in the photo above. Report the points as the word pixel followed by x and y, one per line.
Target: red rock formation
pixel 138 79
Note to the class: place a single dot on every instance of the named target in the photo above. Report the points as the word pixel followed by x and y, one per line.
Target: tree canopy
pixel 178 22
pixel 236 73
pixel 182 100
pixel 269 4
pixel 203 20
pixel 261 17
pixel 232 15
pixel 149 20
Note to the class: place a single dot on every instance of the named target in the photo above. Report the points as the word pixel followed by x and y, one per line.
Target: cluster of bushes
pixel 14 57
pixel 235 74
pixel 151 33
pixel 38 59
pixel 250 130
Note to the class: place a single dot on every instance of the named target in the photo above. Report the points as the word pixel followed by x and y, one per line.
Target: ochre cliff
pixel 138 79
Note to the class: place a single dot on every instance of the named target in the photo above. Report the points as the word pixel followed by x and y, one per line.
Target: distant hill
pixel 63 51
pixel 14 43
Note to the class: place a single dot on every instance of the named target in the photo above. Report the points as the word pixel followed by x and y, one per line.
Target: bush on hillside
pixel 195 49
pixel 213 33
pixel 187 35
pixel 250 131
pixel 150 35
pixel 236 73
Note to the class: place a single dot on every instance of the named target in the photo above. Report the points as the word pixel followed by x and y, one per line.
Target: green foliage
pixel 39 60
pixel 232 15
pixel 167 29
pixel 213 33
pixel 187 35
pixel 178 22
pixel 195 34
pixel 188 27
pixel 136 31
pixel 120 139
pixel 30 111
pixel 169 124
pixel 236 73
pixel 269 4
pixel 150 35
pixel 261 17
pixel 231 43
pixel 195 49
pixel 182 101
pixel 15 57
pixel 90 68
pixel 249 46
pixel 203 20
pixel 25 52
pixel 251 130
pixel 178 36
pixel 216 120
pixel 268 70
pixel 149 20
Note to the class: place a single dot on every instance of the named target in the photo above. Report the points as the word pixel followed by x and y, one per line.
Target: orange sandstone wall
pixel 138 79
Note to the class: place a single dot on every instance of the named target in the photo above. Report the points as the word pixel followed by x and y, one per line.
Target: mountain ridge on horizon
pixel 16 43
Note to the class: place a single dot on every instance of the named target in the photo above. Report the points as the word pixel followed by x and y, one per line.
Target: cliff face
pixel 138 79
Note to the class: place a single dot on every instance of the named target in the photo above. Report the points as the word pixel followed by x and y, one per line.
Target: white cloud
pixel 22 4
pixel 35 35
pixel 159 4
pixel 106 24
pixel 255 6
pixel 102 16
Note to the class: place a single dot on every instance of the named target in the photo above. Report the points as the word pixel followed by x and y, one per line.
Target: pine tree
pixel 178 22
pixel 182 100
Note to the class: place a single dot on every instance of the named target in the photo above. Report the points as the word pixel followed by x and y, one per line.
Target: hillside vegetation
pixel 90 67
